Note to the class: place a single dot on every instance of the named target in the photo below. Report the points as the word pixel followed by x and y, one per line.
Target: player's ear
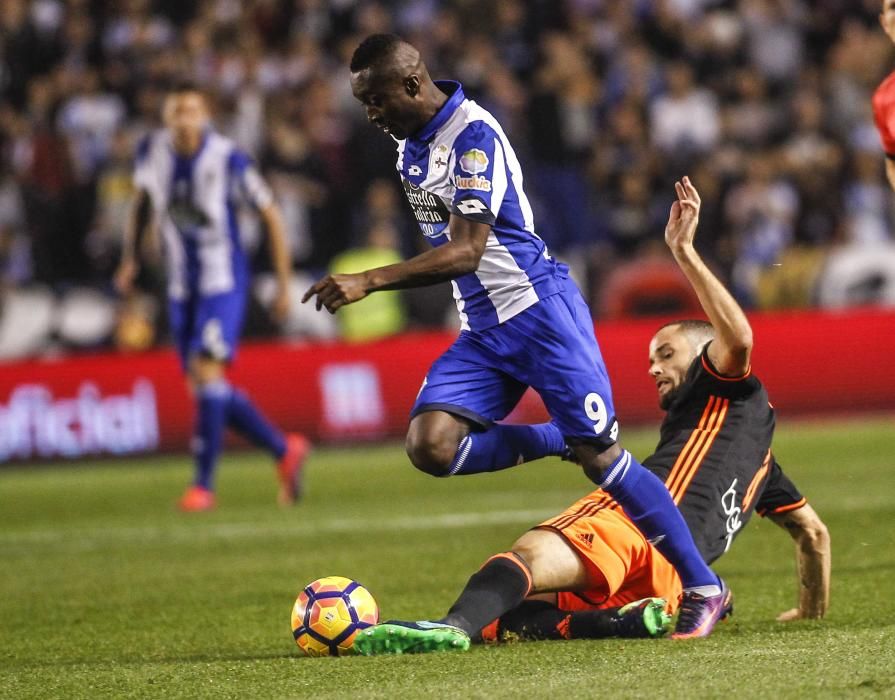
pixel 412 85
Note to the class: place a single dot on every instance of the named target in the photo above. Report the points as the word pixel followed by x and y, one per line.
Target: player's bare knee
pixel 429 453
pixel 529 546
pixel 204 370
pixel 551 562
pixel 433 440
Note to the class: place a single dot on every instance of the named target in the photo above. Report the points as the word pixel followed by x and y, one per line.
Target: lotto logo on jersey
pixel 474 161
pixel 472 206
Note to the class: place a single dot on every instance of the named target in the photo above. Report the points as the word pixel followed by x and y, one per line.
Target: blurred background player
pixel 190 181
pixel 714 455
pixel 523 321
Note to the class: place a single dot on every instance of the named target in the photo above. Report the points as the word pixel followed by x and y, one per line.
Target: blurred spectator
pixel 15 251
pixel 762 210
pixel 89 119
pixel 380 314
pixel 114 193
pixel 686 117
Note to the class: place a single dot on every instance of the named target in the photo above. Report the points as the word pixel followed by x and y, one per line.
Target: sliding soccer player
pixel 589 572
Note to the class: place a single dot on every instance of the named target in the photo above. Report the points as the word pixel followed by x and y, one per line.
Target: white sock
pixel 704 591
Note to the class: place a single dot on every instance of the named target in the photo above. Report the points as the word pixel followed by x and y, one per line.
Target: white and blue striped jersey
pixel 462 163
pixel 194 201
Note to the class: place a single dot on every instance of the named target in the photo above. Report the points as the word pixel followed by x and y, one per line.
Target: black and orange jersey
pixel 714 454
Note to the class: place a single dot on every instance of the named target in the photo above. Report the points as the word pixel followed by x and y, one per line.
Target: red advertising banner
pixel 811 363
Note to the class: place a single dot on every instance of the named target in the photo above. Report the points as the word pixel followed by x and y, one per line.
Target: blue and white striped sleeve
pixel 249 180
pixel 142 166
pixel 479 173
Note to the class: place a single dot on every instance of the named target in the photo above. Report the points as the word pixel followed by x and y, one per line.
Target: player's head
pixel 671 352
pixel 887 18
pixel 391 81
pixel 185 113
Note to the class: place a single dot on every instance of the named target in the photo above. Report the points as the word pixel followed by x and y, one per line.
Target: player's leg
pixel 539 619
pixel 444 444
pixel 199 496
pixel 647 502
pixel 503 582
pixel 290 451
pixel 452 430
pixel 220 320
pixel 210 395
pixel 637 593
pixel 572 380
pixel 539 561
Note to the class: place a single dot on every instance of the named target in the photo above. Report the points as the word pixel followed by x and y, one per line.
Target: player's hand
pixel 335 291
pixel 279 308
pixel 125 275
pixel 790 615
pixel 684 216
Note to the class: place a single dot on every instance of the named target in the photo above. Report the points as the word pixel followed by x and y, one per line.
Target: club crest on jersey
pixel 439 162
pixel 474 161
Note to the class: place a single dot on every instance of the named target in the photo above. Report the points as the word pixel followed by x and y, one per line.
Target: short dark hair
pixel 373 50
pixel 181 86
pixel 698 332
pixel 691 324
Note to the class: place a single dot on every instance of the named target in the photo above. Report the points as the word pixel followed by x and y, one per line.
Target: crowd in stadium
pixel 764 103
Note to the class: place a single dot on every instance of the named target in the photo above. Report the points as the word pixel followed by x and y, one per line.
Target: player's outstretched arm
pixel 138 221
pixel 732 347
pixel 457 257
pixel 813 558
pixel 279 258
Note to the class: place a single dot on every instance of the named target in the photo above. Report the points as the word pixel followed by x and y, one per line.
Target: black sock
pixel 594 624
pixel 538 619
pixel 500 585
pixel 535 619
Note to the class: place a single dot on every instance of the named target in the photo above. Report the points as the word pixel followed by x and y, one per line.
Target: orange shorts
pixel 621 564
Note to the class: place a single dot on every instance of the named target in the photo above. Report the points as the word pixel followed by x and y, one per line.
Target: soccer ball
pixel 329 613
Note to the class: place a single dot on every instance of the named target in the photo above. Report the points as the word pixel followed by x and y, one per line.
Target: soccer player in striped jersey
pixel 190 182
pixel 523 321
pixel 590 572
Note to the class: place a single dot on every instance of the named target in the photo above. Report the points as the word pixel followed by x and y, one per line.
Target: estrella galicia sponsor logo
pixel 474 161
pixel 476 182
pixel 430 211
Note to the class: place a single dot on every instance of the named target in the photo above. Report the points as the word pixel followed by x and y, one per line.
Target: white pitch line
pixel 96 537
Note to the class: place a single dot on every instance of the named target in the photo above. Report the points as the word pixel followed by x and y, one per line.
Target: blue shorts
pixel 550 347
pixel 207 326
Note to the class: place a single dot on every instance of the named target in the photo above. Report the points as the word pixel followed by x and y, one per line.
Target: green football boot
pixel 400 637
pixel 643 618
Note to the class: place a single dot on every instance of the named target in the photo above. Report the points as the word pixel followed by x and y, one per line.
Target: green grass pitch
pixel 106 591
